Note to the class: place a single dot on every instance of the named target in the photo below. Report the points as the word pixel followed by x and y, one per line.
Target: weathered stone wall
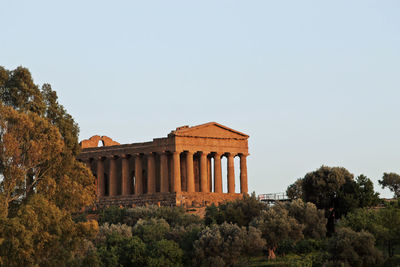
pixel 201 199
pixel 193 199
pixel 161 199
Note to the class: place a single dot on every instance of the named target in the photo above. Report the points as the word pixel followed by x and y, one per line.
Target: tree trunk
pixel 271 254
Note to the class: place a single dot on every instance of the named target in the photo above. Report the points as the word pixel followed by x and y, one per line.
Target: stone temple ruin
pixel 183 168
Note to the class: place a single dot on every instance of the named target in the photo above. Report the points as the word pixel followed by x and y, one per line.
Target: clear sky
pixel 311 82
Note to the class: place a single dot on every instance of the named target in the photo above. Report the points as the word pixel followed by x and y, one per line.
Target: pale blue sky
pixel 311 82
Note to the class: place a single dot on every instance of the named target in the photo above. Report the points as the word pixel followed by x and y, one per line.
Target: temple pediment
pixel 209 130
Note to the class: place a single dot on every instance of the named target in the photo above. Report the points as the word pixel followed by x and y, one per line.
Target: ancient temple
pixel 183 168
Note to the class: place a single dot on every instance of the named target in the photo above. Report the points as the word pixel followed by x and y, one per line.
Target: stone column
pixel 189 171
pixel 138 175
pixel 113 177
pixel 100 177
pixel 209 174
pixel 203 172
pixel 243 174
pixel 126 181
pixel 217 173
pixel 231 173
pixel 177 171
pixel 151 174
pixel 164 173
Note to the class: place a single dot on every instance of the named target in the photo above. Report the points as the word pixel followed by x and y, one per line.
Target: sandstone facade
pixel 183 168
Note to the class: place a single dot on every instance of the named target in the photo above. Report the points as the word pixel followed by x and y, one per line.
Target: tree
pixel 223 245
pixel 276 226
pixel 307 214
pixel 354 249
pixel 295 191
pixel 391 181
pixel 29 149
pixel 334 188
pixel 65 177
pixel 384 224
pixel 41 183
pixel 322 186
pixel 42 234
pixel 365 192
pixel 240 211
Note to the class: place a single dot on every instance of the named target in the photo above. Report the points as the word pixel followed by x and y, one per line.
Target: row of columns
pixel 205 183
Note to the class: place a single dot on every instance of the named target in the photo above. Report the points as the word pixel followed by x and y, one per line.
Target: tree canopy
pixel 392 181
pixel 334 187
pixel 41 182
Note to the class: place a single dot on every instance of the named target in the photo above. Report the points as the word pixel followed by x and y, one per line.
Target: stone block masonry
pixel 183 168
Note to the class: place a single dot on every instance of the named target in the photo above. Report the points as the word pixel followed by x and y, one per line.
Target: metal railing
pixel 273 197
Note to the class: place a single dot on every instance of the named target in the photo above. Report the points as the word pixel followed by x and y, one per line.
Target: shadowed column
pixel 126 184
pixel 189 171
pixel 203 172
pixel 100 177
pixel 209 174
pixel 113 177
pixel 177 171
pixel 138 175
pixel 164 173
pixel 231 173
pixel 243 174
pixel 217 173
pixel 151 174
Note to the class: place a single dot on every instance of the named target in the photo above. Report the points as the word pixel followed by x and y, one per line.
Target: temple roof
pixel 210 129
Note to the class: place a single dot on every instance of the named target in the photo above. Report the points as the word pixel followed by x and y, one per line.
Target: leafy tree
pixel 391 181
pixel 354 249
pixel 41 182
pixel 57 174
pixel 334 187
pixel 240 211
pixel 151 230
pixel 112 215
pixel 185 236
pixel 165 253
pixel 18 90
pixel 322 186
pixel 174 216
pixel 365 192
pixel 384 224
pixel 41 234
pixel 118 250
pixel 295 191
pixel 223 245
pixel 276 226
pixel 307 214
pixel 106 229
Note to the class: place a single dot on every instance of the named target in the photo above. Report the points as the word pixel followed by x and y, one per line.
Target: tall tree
pixel 276 226
pixel 392 181
pixel 334 188
pixel 39 171
pixel 322 186
pixel 295 190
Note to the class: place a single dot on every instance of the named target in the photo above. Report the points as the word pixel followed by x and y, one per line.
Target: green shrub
pixel 112 215
pixel 392 261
